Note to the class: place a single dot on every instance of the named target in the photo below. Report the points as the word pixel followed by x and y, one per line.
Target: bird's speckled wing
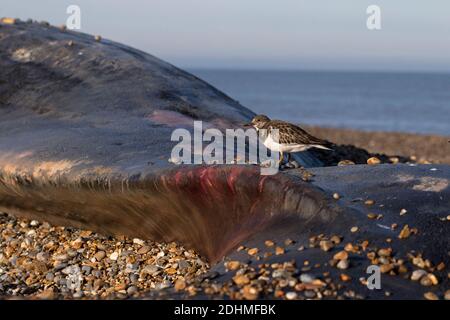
pixel 292 134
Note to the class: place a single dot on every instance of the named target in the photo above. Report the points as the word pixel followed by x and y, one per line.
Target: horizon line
pixel 314 70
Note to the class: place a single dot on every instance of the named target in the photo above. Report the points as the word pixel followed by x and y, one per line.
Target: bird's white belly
pixel 275 146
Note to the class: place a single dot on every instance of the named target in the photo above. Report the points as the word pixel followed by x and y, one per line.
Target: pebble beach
pixel 40 261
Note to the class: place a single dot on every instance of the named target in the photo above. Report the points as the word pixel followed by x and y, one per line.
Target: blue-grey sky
pixel 265 34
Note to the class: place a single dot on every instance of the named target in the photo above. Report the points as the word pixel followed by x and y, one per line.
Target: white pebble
pixel 138 241
pixel 343 264
pixel 291 295
pixel 113 256
pixel 34 223
pixel 418 274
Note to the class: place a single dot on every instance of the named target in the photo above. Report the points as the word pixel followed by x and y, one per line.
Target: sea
pixel 371 101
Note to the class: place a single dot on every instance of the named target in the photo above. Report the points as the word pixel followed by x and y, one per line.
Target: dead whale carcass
pixel 85 131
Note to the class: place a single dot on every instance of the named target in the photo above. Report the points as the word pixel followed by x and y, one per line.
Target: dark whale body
pixel 85 132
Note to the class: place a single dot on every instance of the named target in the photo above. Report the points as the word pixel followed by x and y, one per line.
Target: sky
pixel 265 34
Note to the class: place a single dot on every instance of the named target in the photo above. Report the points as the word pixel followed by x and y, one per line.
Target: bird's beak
pixel 248 125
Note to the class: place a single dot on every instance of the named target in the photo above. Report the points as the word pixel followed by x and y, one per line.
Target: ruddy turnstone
pixel 291 138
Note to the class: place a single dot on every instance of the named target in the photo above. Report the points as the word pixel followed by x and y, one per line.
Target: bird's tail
pixel 320 143
pixel 320 146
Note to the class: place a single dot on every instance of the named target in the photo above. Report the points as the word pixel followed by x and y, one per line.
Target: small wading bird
pixel 291 138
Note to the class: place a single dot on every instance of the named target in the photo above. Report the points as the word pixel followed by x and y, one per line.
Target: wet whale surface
pixel 85 139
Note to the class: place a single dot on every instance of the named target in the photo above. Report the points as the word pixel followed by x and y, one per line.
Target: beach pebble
pixel 184 264
pixel 138 241
pixel 373 161
pixel 429 280
pixel 180 284
pixel 86 270
pixel 232 265
pixel 394 160
pixel 341 255
pixel 42 256
pixel 417 274
pixel 269 243
pixel 114 256
pixel 440 266
pixel 34 223
pixel 336 239
pixel 343 264
pixel 151 270
pixel 86 234
pixel 132 290
pixel 50 276
pixel 250 292
pixel 291 295
pixel 279 251
pixel 280 273
pixel 345 163
pixel 426 281
pixel 344 277
pixel 8 20
pixel 144 250
pixel 99 255
pixel 61 257
pixel 307 278
pixel 405 232
pixel 371 215
pixel 430 296
pixel 77 243
pixel 326 245
pixel 241 280
pixel 447 295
